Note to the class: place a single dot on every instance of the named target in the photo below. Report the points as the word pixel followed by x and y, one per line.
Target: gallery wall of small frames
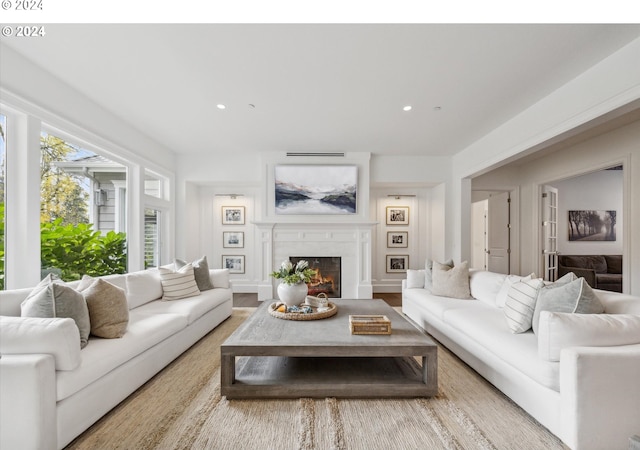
pixel 233 239
pixel 397 216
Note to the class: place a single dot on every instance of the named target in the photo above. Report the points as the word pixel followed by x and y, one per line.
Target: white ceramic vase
pixel 292 294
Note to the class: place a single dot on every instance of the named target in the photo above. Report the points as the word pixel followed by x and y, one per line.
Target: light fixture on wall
pixel 231 196
pixel 100 197
pixel 399 196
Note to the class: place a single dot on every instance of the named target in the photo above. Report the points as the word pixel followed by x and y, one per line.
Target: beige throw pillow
pixel 108 307
pixel 521 304
pixel 451 281
pixel 178 284
pixel 200 272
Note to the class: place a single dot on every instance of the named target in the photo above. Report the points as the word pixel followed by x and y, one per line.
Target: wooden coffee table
pixel 268 357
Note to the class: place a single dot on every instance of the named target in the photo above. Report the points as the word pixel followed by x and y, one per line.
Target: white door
pixel 479 235
pixel 549 213
pixel 498 233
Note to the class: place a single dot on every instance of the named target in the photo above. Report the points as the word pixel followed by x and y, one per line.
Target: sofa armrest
pixel 28 406
pixel 588 274
pixel 600 396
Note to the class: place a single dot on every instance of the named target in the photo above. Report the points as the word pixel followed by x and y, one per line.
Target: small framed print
pixel 233 215
pixel 235 263
pixel 397 239
pixel 397 215
pixel 397 263
pixel 233 239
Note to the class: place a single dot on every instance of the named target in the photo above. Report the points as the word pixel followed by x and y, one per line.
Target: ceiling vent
pixel 333 154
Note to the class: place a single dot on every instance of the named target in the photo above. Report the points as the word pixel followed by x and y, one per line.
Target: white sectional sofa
pixel 51 390
pixel 578 375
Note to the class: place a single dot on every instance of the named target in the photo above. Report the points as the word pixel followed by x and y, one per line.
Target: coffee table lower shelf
pixel 344 377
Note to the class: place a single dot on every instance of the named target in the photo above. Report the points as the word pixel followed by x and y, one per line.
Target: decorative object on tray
pixel 301 312
pixel 292 289
pixel 369 324
pixel 321 301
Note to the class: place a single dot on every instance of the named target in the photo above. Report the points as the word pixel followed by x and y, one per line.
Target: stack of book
pixel 369 324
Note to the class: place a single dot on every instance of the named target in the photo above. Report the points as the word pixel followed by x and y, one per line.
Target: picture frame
pixel 235 263
pixel 397 239
pixel 592 225
pixel 315 189
pixel 397 215
pixel 233 239
pixel 233 215
pixel 397 263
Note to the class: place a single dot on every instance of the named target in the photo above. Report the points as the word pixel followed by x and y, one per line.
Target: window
pixel 3 128
pixel 152 245
pixel 155 185
pixel 78 214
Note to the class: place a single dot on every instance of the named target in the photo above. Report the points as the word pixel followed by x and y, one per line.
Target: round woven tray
pixel 333 309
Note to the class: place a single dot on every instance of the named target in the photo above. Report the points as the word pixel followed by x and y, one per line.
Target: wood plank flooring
pixel 251 300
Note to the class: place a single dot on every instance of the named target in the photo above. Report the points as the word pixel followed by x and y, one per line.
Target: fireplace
pixel 328 277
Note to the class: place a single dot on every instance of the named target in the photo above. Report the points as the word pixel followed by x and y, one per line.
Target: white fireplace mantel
pixel 351 241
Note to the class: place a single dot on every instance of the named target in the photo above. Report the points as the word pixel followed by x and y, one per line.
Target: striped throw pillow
pixel 178 284
pixel 521 304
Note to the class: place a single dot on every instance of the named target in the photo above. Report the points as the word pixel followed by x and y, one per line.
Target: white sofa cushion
pixel 143 287
pixel 415 278
pixel 558 330
pixel 509 280
pixel 485 325
pixel 178 284
pixel 192 308
pixel 219 278
pixel 104 355
pixel 438 305
pixel 521 303
pixel 485 286
pixel 572 297
pixel 59 337
pixel 451 281
pixel 53 298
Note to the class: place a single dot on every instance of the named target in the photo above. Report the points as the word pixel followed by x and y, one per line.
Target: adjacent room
pixel 320 236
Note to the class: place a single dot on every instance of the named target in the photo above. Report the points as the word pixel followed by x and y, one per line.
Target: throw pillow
pixel 451 281
pixel 572 297
pixel 53 298
pixel 108 308
pixel 178 284
pixel 415 279
pixel 200 271
pixel 428 265
pixel 521 303
pixel 509 281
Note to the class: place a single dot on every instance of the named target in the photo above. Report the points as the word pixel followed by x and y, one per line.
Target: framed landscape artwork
pixel 397 215
pixel 397 263
pixel 233 215
pixel 233 239
pixel 397 239
pixel 235 263
pixel 316 189
pixel 592 225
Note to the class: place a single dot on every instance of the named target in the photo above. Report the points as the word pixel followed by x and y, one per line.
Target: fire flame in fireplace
pixel 320 284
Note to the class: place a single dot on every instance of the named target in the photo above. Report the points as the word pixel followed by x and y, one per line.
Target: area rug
pixel 181 408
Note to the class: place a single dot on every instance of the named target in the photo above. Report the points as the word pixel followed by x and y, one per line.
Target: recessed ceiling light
pixel 407 108
pixel 220 106
pixel 437 108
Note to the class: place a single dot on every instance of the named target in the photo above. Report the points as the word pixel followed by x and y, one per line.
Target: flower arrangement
pixel 290 274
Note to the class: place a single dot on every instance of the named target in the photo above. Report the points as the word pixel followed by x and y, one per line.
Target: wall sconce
pixel 100 197
pixel 399 196
pixel 231 196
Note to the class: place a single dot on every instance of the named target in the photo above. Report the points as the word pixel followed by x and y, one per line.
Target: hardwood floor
pixel 251 300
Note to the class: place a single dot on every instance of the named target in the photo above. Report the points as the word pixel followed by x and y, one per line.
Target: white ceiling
pixel 319 88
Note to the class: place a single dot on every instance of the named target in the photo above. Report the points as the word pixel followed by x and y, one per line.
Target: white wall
pixel 599 191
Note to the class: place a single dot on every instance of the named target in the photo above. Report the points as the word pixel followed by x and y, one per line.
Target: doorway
pixel 491 231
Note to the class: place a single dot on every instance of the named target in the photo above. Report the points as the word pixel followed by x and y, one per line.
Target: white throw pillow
pixel 219 278
pixel 571 297
pixel 451 281
pixel 521 304
pixel 415 278
pixel 178 284
pixel 485 285
pixel 143 287
pixel 558 330
pixel 501 299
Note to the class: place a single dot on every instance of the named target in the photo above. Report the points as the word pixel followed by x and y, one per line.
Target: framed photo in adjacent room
pixel 397 239
pixel 233 215
pixel 233 239
pixel 397 215
pixel 397 263
pixel 235 263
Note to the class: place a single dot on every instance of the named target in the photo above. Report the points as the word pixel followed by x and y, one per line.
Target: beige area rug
pixel 181 408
